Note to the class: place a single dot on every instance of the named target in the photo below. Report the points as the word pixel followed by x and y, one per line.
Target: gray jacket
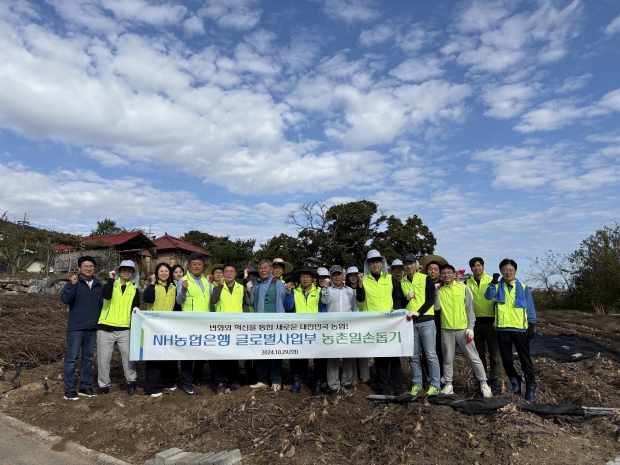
pixel 339 299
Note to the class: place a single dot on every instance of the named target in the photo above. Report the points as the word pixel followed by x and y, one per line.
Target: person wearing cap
pixel 339 298
pixel 419 292
pixel 83 294
pixel 397 269
pixel 484 334
pixel 381 292
pixel 322 274
pixel 304 299
pixel 360 367
pixel 457 327
pixel 194 295
pixel 267 297
pixel 227 297
pixel 515 317
pixel 215 274
pixel 281 267
pixel 121 294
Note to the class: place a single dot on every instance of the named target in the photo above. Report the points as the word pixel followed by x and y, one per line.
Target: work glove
pixel 327 282
pixel 495 278
pixel 411 315
pixel 249 286
pixel 530 333
pixel 112 274
pixel 411 295
pixel 469 334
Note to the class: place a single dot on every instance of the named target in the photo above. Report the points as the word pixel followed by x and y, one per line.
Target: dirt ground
pixel 282 428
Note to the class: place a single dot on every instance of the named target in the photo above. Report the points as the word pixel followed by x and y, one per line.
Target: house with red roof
pixel 174 250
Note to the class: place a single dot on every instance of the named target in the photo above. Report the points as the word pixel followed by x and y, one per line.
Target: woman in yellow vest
pixel 515 317
pixel 227 297
pixel 361 370
pixel 120 295
pixel 160 296
pixel 457 327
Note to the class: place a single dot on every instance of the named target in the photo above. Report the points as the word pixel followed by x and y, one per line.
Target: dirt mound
pixel 345 428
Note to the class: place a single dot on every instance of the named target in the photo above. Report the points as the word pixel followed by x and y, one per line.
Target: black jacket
pixel 84 302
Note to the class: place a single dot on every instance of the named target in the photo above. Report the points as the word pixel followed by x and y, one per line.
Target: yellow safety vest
pixel 117 310
pixel 378 293
pixel 482 306
pixel 197 300
pixel 418 285
pixel 453 310
pixel 307 305
pixel 164 299
pixel 231 302
pixel 506 314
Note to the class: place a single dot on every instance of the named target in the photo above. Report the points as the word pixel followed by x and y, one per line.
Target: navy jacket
pixel 84 304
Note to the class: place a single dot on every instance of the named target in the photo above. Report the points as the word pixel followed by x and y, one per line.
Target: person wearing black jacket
pixel 419 292
pixel 83 294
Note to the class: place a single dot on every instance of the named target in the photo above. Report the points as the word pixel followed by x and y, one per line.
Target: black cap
pixel 409 257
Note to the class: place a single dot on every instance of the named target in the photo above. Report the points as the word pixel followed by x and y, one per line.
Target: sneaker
pixel 173 388
pixel 104 390
pixel 221 389
pixel 71 395
pixel 189 390
pixel 494 384
pixel 131 388
pixel 447 389
pixel 157 394
pixel 334 391
pixel 259 385
pixel 432 391
pixel 88 392
pixel 234 386
pixel 486 390
pixel 349 387
pixel 415 390
pixel 276 387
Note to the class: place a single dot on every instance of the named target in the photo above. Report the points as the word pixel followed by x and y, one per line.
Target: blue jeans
pixel 76 340
pixel 263 369
pixel 424 335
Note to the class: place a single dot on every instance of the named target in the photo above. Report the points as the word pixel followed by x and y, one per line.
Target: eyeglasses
pixel 87 267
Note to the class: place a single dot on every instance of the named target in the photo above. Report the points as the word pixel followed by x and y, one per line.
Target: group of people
pixel 483 314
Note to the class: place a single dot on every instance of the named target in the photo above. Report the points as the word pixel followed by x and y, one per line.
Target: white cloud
pixel 509 100
pixel 234 14
pixel 105 158
pixel 418 69
pixel 351 11
pixel 194 26
pixel 572 84
pixel 613 27
pixel 140 10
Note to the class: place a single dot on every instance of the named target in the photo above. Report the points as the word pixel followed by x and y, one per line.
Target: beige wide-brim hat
pixel 432 258
pixel 287 266
pixel 209 271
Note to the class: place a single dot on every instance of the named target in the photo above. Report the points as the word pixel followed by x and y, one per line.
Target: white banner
pixel 252 336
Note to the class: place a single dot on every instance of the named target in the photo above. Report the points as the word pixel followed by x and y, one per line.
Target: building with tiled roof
pixel 174 250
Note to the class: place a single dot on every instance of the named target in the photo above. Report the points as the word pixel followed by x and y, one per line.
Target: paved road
pixel 21 448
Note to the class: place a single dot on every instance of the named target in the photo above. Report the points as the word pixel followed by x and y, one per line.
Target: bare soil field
pixel 302 429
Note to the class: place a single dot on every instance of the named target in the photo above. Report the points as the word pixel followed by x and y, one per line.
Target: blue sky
pixel 497 122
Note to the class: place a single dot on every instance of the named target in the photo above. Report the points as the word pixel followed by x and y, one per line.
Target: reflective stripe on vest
pixel 419 287
pixel 117 310
pixel 453 311
pixel 378 293
pixel 482 306
pixel 164 300
pixel 506 314
pixel 231 302
pixel 309 304
pixel 197 300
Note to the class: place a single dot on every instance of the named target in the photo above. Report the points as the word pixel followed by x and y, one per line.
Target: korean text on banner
pixel 243 336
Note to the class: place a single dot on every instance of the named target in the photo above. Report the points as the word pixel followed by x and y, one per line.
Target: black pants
pixel 437 347
pixel 225 371
pixel 299 367
pixel 382 364
pixel 159 374
pixel 192 371
pixel 506 339
pixel 320 369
